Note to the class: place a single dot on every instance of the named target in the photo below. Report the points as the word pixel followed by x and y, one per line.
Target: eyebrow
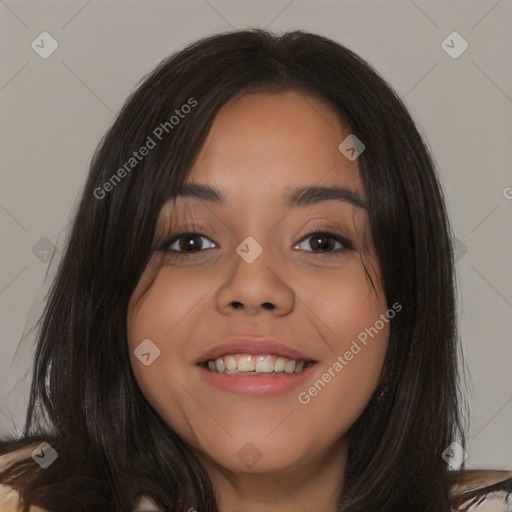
pixel 301 196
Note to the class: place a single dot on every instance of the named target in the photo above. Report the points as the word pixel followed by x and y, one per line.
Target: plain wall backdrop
pixel 56 109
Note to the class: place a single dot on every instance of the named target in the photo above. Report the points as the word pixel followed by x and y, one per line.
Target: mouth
pixel 256 364
pixel 255 367
pixel 256 375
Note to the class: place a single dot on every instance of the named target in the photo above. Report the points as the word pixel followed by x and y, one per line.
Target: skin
pixel 259 145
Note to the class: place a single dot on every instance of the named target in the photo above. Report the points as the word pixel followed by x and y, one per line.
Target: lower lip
pixel 257 385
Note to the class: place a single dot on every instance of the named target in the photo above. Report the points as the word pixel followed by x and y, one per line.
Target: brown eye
pixel 188 243
pixel 320 242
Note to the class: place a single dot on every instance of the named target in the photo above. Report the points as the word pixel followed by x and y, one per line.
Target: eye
pixel 187 243
pixel 322 242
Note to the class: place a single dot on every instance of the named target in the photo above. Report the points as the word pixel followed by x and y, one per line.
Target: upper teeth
pixel 249 363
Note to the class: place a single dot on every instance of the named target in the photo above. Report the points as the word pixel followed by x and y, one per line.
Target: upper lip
pixel 254 346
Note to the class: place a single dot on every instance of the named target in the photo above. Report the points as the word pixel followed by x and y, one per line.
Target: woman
pixel 256 307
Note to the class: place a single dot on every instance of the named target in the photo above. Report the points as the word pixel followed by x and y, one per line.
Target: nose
pixel 251 287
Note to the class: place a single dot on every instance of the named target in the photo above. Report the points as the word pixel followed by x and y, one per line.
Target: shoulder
pixel 9 501
pixel 485 490
pixel 494 502
pixel 9 497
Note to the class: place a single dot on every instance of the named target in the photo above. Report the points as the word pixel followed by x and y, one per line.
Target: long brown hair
pixel 84 399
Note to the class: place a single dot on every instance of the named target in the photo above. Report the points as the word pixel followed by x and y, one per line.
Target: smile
pixel 261 375
pixel 251 364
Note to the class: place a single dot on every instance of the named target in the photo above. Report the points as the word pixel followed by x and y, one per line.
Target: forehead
pixel 261 144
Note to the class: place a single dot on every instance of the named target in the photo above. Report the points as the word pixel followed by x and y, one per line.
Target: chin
pixel 254 459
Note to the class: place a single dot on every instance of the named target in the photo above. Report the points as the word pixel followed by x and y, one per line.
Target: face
pixel 263 276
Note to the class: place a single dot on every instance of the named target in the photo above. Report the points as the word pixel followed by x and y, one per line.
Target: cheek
pixel 170 301
pixel 348 313
pixel 344 302
pixel 151 324
pixel 347 378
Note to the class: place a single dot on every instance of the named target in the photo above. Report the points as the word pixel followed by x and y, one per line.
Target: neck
pixel 313 483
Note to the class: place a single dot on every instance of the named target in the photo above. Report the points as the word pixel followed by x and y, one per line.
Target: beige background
pixel 55 110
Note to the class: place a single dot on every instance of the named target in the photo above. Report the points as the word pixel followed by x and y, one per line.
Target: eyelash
pixel 347 244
